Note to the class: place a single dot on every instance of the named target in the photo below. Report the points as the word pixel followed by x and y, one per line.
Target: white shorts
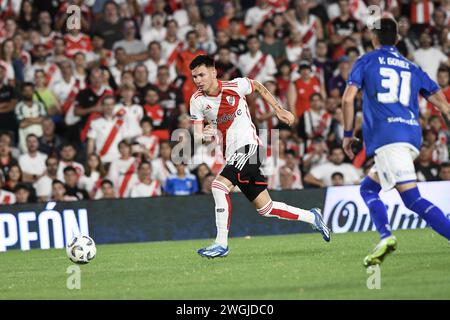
pixel 394 164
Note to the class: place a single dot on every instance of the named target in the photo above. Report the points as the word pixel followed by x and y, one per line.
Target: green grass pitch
pixel 275 267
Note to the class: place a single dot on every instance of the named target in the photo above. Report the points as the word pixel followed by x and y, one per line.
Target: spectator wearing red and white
pixel 290 174
pixel 300 91
pixel 145 186
pixel 307 24
pixel 131 112
pixel 294 47
pixel 99 54
pixel 254 64
pixel 48 35
pixel 181 14
pixel 106 132
pixel 255 16
pixel 43 185
pixel 357 7
pixel 120 66
pixel 171 45
pixel 443 78
pixel 58 53
pixel 156 60
pixel 9 61
pixel 32 162
pixel 8 27
pixel 163 165
pixel 67 159
pixel 107 190
pixel 148 140
pixel 122 171
pixel 85 17
pixel 315 122
pixel 440 155
pixel 19 46
pixel 66 89
pixel 421 11
pixel 265 115
pixel 94 174
pixel 29 115
pixel 76 41
pixel 52 71
pixel 6 197
pixel 80 69
pixel 213 158
pixel 156 32
pixel 152 108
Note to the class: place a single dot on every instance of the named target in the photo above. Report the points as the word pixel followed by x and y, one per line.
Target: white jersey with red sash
pixel 79 168
pixel 107 134
pixel 229 112
pixel 7 197
pixel 259 67
pixel 309 32
pixel 162 169
pixel 150 144
pixel 122 173
pixel 132 116
pixel 142 190
pixel 170 51
pixel 49 40
pixel 317 124
pixel 52 72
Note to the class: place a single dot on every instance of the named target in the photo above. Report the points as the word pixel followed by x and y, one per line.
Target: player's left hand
pixel 285 116
pixel 347 146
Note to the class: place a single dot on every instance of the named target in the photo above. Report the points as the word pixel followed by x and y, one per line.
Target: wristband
pixel 348 133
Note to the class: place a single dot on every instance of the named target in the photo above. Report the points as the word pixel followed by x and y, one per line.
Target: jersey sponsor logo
pixel 231 100
pixel 239 112
pixel 226 118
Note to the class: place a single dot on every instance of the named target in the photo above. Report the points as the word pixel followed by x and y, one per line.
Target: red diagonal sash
pixel 257 68
pixel 111 136
pixel 126 179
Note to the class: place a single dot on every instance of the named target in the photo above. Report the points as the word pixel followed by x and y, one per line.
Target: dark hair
pixel 315 94
pixel 31 135
pixel 445 165
pixel 202 60
pixel 386 30
pixel 101 169
pixel 49 158
pixel 56 181
pixel 143 163
pixel 27 84
pixel 291 152
pixel 107 181
pixel 191 32
pixel 337 174
pixel 252 36
pixel 69 168
pixel 351 49
pixel 146 120
pixel 21 186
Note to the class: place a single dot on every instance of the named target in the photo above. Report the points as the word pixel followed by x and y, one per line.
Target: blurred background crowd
pixel 87 107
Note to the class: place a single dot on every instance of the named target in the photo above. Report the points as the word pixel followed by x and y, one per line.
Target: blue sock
pixel 427 211
pixel 369 191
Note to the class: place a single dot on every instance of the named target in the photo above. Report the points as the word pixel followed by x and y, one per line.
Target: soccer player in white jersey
pixel 222 104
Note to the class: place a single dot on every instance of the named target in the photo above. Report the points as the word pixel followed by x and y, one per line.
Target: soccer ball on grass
pixel 81 249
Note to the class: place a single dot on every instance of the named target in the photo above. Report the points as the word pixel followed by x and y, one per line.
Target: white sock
pixel 283 211
pixel 223 211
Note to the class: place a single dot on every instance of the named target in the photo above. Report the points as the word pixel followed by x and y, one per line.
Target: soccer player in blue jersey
pixel 390 86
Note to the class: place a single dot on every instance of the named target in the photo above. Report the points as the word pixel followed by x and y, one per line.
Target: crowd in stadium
pixel 88 106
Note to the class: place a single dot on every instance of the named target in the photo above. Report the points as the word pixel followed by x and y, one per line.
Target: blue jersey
pixel 390 85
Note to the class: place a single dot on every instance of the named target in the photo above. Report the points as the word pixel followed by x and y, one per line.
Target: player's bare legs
pixel 268 208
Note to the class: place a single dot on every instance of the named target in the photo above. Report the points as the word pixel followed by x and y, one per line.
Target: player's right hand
pixel 209 132
pixel 347 146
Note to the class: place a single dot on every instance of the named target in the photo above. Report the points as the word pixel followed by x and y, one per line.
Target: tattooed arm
pixel 281 113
